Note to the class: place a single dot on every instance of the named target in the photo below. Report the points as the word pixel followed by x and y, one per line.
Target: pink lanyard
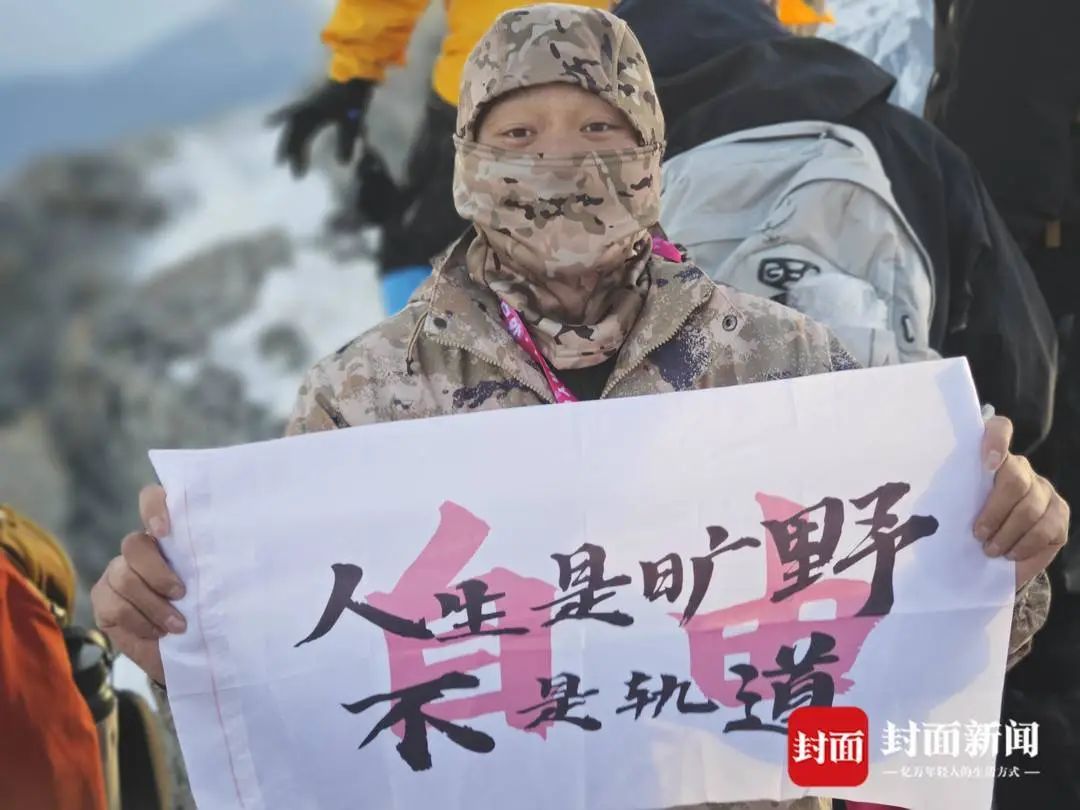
pixel 515 325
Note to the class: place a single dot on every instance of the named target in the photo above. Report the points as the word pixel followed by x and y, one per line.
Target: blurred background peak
pixel 86 74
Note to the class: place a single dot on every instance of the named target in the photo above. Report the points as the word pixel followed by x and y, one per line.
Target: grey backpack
pixel 803 213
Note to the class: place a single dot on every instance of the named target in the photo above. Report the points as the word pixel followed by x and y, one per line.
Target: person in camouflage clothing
pixel 565 241
pixel 559 293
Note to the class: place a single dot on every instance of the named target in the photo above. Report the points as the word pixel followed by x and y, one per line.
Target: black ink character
pixel 750 721
pixel 589 575
pixel 475 597
pixel 346 578
pixel 885 541
pixel 560 695
pixel 409 710
pixel 639 699
pixel 802 555
pixel 802 687
pixel 664 578
pixel 703 566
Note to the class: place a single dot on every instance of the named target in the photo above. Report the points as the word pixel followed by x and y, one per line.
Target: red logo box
pixel 828 746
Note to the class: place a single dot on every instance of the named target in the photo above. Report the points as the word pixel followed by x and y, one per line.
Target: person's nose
pixel 562 142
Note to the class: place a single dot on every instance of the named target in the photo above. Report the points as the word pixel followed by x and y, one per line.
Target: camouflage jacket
pixel 448 352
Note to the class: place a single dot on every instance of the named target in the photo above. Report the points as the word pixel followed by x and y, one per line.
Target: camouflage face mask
pixel 556 217
pixel 564 240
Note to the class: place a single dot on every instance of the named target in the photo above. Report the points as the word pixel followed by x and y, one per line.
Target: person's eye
pixel 516 133
pixel 598 127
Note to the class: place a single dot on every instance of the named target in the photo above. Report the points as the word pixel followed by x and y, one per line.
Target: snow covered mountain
pixel 247 53
pixel 171 291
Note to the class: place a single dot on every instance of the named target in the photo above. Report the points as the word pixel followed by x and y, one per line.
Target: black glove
pixel 340 103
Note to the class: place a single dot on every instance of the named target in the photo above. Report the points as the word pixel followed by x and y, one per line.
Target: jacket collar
pixel 465 315
pixel 677 291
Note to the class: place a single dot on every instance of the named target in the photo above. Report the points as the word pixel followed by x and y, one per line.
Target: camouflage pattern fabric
pixel 559 217
pixel 549 43
pixel 1030 611
pixel 181 787
pixel 448 351
pixel 580 222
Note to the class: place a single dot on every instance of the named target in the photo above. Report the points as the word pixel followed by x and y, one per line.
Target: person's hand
pixel 340 103
pixel 131 600
pixel 1024 519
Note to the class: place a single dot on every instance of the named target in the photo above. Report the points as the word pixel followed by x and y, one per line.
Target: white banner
pixel 613 604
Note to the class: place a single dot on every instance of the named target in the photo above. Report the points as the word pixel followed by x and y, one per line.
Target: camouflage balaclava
pixel 581 220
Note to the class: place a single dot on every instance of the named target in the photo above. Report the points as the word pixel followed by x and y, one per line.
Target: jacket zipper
pixel 614 381
pixel 545 396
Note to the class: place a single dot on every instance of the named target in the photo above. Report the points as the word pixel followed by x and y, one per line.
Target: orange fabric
pixel 49 757
pixel 39 557
pixel 801 12
pixel 368 36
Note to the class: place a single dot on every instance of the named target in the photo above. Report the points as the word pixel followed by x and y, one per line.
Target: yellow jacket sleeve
pixel 802 12
pixel 466 22
pixel 367 36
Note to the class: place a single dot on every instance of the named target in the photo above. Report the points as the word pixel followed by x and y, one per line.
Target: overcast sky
pixel 49 37
pixel 59 36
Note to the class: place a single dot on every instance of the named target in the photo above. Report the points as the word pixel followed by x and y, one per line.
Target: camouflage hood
pixel 550 43
pixel 564 240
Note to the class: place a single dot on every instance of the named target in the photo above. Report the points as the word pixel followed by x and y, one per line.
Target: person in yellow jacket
pixel 365 38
